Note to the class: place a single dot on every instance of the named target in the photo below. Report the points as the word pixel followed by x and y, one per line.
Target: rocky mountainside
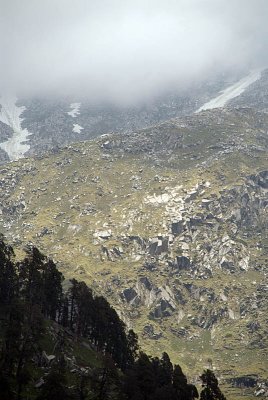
pixel 169 223
pixel 50 123
pixel 256 96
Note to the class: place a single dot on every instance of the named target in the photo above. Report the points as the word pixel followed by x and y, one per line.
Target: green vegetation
pixel 37 315
pixel 61 201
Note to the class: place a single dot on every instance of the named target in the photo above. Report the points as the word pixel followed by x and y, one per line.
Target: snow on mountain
pixel 75 109
pixel 77 128
pixel 10 114
pixel 232 91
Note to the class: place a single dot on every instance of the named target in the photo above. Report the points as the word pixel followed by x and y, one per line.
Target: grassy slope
pixel 84 176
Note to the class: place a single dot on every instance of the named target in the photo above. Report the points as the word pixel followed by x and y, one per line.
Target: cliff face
pixel 169 223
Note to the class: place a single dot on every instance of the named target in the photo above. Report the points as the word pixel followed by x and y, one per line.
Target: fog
pixel 126 50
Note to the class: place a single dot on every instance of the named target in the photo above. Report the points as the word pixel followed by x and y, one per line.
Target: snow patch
pixel 10 114
pixel 77 128
pixel 75 109
pixel 231 92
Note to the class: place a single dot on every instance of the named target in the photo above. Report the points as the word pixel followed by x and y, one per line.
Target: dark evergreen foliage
pixel 55 387
pixel 105 381
pixel 211 390
pixel 154 378
pixel 41 282
pixel 30 293
pixel 8 276
pixel 94 318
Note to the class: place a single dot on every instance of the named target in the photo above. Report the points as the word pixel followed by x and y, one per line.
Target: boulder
pixel 47 359
pixel 130 294
pixel 177 227
pixel 148 331
pixel 103 234
pixel 228 265
pixel 155 246
pixel 139 240
pixel 145 281
pixel 158 245
pixel 163 309
pixel 182 262
pixel 39 383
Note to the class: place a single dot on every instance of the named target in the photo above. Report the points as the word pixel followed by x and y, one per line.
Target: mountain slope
pixel 169 223
pixel 46 123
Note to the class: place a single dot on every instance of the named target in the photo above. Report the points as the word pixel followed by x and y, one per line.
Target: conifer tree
pixel 6 392
pixel 8 277
pixel 140 381
pixel 105 381
pixel 133 347
pixel 166 370
pixel 52 289
pixel 55 387
pixel 211 390
pixel 184 390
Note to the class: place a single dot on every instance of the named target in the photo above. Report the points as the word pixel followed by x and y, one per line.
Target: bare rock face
pixel 160 300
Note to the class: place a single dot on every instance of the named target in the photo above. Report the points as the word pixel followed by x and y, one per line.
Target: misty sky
pixel 126 50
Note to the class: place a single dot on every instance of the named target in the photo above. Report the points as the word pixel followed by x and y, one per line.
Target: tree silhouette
pixel 211 390
pixel 30 294
pixel 8 276
pixel 184 390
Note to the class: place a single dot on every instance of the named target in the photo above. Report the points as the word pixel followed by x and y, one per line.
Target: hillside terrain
pixel 256 96
pixel 60 341
pixel 169 223
pixel 48 122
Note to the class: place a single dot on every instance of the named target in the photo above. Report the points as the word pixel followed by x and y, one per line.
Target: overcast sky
pixel 126 50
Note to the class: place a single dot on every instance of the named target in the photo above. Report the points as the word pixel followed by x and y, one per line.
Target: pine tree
pixel 179 379
pixel 55 387
pixel 211 390
pixel 184 390
pixel 64 317
pixel 30 278
pixel 133 347
pixel 6 392
pixel 140 381
pixel 52 289
pixel 166 392
pixel 166 369
pixel 82 388
pixel 8 277
pixel 105 381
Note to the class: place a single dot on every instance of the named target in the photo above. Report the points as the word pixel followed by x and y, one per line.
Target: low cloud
pixel 126 51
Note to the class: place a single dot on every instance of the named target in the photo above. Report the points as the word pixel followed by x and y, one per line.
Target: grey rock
pixel 148 331
pixel 177 227
pixel 130 294
pixel 182 262
pixel 103 234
